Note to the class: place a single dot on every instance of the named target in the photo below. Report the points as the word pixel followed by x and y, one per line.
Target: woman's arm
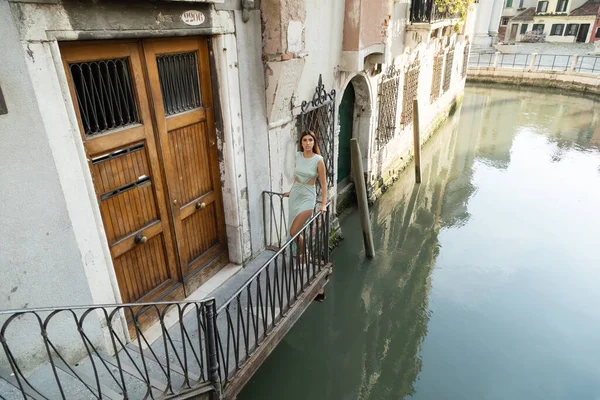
pixel 323 181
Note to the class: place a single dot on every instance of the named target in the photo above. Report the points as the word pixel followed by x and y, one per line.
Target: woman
pixel 303 195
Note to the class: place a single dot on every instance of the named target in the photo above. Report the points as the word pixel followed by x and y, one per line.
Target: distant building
pixel 559 21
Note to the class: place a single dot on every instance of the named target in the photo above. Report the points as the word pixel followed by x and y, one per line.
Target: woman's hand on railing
pixel 286 194
pixel 324 208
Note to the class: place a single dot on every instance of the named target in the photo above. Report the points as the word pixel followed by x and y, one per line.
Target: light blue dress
pixel 303 196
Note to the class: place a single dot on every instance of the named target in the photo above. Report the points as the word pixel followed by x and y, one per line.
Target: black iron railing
pixel 426 11
pixel 85 360
pixel 191 348
pixel 255 310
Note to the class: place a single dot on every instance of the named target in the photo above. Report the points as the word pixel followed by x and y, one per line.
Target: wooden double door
pixel 146 118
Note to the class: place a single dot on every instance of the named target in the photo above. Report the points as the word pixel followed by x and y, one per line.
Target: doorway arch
pixel 354 117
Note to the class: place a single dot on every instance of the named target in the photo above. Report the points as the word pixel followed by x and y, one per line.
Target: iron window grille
pixel 411 87
pixel 538 28
pixel 572 30
pixel 448 69
pixel 436 83
pixel 105 95
pixel 388 104
pixel 317 115
pixel 504 21
pixel 557 29
pixel 179 82
pixel 465 63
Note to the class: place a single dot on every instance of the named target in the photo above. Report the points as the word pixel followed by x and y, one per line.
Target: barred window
pixel 179 82
pixel 448 69
pixel 388 104
pixel 465 63
pixel 105 95
pixel 317 116
pixel 436 82
pixel 411 87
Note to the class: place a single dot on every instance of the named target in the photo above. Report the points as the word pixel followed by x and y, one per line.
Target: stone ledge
pixel 572 81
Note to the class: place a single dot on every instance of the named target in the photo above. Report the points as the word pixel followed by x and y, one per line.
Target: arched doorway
pixel 346 119
pixel 354 118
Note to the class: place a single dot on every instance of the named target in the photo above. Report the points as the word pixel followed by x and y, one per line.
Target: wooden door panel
pixel 142 270
pixel 107 84
pixel 179 79
pixel 189 149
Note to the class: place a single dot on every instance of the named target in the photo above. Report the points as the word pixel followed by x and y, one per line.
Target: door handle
pixel 140 239
pixel 200 205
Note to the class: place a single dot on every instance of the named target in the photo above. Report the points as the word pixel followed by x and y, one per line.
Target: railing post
pixel 211 343
pixel 497 55
pixel 574 63
pixel 532 62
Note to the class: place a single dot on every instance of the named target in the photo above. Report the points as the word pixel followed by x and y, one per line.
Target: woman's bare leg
pixel 298 223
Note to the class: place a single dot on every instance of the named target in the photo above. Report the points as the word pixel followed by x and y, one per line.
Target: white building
pixel 558 21
pixel 488 14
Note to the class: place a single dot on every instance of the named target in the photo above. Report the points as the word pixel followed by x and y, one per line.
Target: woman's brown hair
pixel 316 149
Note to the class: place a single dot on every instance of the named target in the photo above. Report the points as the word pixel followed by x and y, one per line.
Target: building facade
pixel 558 22
pixel 139 137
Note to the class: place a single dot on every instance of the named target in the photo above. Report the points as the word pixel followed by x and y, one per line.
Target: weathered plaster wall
pixel 45 257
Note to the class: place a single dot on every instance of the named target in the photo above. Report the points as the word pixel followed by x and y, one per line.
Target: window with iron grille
pixel 411 87
pixel 179 82
pixel 436 80
pixel 317 116
pixel 388 104
pixel 448 69
pixel 504 21
pixel 572 30
pixel 105 95
pixel 557 29
pixel 465 63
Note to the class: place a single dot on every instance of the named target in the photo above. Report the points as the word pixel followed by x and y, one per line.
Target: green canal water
pixel 486 281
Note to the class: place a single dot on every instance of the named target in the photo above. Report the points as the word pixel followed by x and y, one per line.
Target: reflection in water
pixel 460 300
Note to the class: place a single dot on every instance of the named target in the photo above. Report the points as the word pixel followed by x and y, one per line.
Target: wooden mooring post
pixel 361 196
pixel 417 140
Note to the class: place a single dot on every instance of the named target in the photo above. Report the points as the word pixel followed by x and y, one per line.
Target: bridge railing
pixel 536 62
pixel 90 352
pixel 245 321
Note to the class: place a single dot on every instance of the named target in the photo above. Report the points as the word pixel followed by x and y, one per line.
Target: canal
pixel 486 281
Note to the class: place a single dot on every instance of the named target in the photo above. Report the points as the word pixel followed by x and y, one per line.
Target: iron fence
pixel 553 62
pixel 245 321
pixel 588 65
pixel 541 62
pixel 185 349
pixel 516 61
pixel 180 358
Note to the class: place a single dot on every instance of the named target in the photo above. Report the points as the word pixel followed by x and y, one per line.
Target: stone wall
pixel 586 83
